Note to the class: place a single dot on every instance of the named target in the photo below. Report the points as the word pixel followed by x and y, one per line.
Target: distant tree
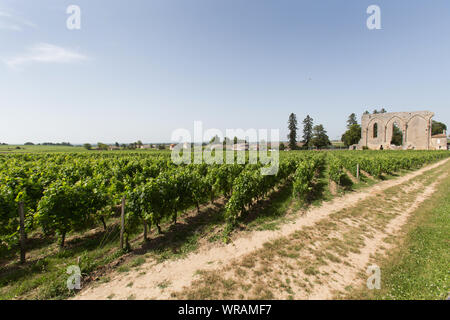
pixel 87 146
pixel 307 130
pixel 102 146
pixel 117 144
pixel 282 146
pixel 351 120
pixel 320 138
pixel 29 144
pixel 366 112
pixel 161 147
pixel 352 135
pixel 57 144
pixel 383 110
pixel 214 140
pixel 132 146
pixel 226 141
pixel 235 140
pixel 292 136
pixel 438 127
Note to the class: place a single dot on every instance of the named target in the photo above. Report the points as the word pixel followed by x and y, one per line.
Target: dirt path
pixel 163 280
pixel 346 275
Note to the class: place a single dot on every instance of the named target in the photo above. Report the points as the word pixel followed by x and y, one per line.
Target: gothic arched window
pixel 375 130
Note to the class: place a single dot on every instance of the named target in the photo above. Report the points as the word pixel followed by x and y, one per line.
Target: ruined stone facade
pixel 377 130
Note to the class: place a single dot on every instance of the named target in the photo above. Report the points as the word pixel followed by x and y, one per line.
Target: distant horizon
pixel 127 143
pixel 300 128
pixel 146 68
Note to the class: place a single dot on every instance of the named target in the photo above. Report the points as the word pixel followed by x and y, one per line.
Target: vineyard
pixel 68 193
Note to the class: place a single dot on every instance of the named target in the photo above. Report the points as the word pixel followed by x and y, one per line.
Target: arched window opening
pixel 375 130
pixel 397 135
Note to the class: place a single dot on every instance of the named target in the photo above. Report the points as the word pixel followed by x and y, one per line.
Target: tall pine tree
pixel 307 130
pixel 351 120
pixel 292 136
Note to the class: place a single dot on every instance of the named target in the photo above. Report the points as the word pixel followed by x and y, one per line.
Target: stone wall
pixel 377 130
pixel 439 141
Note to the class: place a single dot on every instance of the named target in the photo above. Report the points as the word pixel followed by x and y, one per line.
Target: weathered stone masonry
pixel 377 130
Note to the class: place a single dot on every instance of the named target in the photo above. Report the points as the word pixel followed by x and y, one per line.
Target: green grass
pixel 46 278
pixel 273 213
pixel 419 268
pixel 163 285
pixel 44 275
pixel 39 149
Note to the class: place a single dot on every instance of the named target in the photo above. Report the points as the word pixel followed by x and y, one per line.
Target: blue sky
pixel 140 69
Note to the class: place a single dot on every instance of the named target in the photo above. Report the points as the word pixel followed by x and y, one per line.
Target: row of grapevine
pixel 70 193
pixel 378 163
pixel 336 169
pixel 251 185
pixel 63 193
pixel 304 175
pixel 67 192
pixel 177 190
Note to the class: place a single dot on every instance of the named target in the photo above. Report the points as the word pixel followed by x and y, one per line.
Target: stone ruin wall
pixel 415 126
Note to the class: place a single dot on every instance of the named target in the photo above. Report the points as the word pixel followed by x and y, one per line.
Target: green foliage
pixel 336 171
pixel 65 206
pixel 351 121
pixel 320 138
pixel 397 135
pixel 251 186
pixel 307 130
pixel 305 172
pixel 438 127
pixel 352 135
pixel 102 146
pixel 71 192
pixel 292 136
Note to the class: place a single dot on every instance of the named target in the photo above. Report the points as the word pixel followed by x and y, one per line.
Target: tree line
pixel 314 136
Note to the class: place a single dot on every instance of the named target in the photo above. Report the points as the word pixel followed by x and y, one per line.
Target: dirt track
pixel 161 280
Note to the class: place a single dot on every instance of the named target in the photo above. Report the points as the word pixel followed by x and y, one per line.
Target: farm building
pixel 439 141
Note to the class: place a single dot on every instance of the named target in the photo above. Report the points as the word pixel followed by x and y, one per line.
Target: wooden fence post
pixel 357 171
pixel 122 222
pixel 22 232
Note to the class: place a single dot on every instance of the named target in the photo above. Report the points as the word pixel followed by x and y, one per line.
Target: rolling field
pixel 38 149
pixel 307 232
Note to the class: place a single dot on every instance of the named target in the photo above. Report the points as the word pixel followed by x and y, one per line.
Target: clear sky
pixel 139 69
